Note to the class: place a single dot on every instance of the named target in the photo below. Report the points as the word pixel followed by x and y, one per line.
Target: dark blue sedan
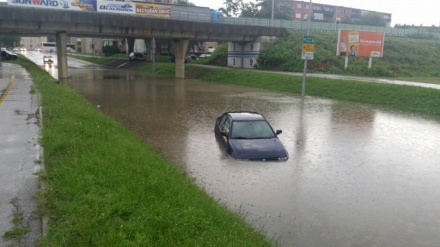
pixel 248 136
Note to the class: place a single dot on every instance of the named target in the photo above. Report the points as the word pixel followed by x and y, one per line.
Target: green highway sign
pixel 308 39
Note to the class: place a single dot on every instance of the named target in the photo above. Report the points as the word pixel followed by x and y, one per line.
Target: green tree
pixel 372 19
pixel 282 9
pixel 8 40
pixel 249 10
pixel 232 8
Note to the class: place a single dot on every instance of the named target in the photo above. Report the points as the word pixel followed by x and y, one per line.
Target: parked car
pixel 8 55
pixel 249 136
pixel 47 59
pixel 205 55
pixel 192 56
pixel 173 58
pixel 136 56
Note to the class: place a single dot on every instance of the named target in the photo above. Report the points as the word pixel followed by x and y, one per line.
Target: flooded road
pixel 356 176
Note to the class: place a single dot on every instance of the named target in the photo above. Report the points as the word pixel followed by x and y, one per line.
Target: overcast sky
pixel 417 12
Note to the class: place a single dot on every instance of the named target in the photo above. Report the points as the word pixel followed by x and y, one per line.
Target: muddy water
pixel 356 176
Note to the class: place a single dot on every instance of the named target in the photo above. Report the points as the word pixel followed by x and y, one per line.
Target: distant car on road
pixel 8 55
pixel 249 136
pixel 47 59
pixel 136 56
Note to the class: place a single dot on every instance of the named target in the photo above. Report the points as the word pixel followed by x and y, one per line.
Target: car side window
pixel 227 126
pixel 222 122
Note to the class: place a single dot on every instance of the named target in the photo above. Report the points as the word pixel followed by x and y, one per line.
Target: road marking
pixel 5 94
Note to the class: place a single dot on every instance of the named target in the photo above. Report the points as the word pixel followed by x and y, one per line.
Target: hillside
pixel 404 58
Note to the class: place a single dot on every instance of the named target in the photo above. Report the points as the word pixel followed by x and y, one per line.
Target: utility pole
pixel 303 91
pixel 271 16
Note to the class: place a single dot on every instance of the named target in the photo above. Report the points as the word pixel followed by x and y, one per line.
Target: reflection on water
pixel 356 176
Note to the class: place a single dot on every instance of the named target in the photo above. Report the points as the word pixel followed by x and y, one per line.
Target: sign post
pixel 311 41
pixel 307 53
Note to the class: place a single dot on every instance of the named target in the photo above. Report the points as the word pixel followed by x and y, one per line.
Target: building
pixel 160 1
pixel 331 13
pixel 31 43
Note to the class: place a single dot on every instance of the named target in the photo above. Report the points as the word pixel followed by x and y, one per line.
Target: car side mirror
pixel 279 132
pixel 224 133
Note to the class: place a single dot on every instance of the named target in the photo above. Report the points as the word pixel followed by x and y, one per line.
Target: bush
pixel 110 50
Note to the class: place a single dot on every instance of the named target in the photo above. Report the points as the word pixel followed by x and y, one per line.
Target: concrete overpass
pixel 23 21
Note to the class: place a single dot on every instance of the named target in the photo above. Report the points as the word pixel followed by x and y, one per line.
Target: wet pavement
pixel 356 176
pixel 19 154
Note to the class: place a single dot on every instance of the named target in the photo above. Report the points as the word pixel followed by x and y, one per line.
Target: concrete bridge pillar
pixel 245 54
pixel 180 47
pixel 61 42
pixel 149 44
pixel 130 42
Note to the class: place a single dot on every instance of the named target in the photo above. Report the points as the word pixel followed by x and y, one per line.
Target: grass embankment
pixel 93 58
pixel 102 59
pixel 402 57
pixel 105 187
pixel 395 97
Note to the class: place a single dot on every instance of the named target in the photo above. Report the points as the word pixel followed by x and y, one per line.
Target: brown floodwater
pixel 356 176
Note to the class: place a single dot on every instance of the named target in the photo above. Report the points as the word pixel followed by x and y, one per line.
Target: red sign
pixel 153 10
pixel 360 43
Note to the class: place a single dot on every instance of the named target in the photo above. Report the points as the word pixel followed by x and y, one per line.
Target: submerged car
pixel 249 136
pixel 47 59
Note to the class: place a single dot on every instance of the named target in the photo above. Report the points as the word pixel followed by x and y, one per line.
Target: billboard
pixel 116 7
pixel 81 5
pixel 360 43
pixel 152 10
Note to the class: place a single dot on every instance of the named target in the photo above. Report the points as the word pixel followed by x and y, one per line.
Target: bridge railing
pixel 322 26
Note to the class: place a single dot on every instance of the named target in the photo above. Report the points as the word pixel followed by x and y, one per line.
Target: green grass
pixel 106 187
pixel 18 232
pixel 100 59
pixel 94 59
pixel 395 97
pixel 161 69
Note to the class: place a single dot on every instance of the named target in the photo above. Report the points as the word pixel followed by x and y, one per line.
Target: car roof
pixel 245 115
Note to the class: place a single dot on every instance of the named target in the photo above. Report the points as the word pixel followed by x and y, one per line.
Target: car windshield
pixel 251 130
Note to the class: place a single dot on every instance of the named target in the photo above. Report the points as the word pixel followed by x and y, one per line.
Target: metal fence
pixel 323 26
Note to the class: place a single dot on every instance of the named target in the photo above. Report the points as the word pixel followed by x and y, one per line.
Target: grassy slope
pixel 403 57
pixel 105 187
pixel 397 97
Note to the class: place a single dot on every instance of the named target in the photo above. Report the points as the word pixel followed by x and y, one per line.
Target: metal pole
pixel 154 53
pixel 271 16
pixel 303 91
